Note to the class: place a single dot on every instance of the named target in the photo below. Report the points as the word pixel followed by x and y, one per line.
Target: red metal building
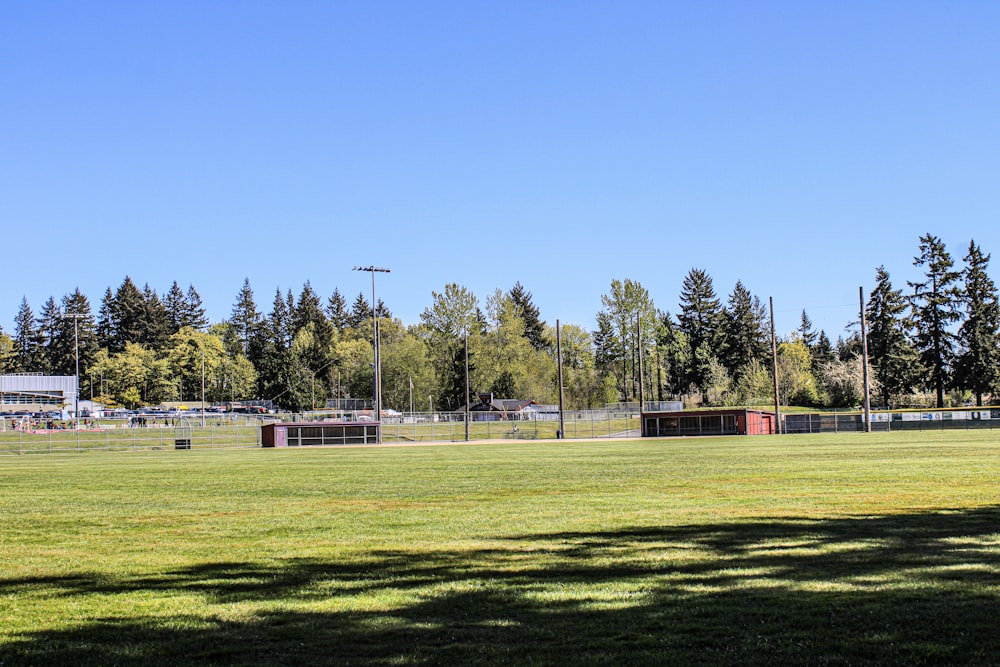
pixel 303 434
pixel 708 422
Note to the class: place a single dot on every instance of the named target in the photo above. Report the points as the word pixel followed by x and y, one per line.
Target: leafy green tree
pixel 978 365
pixel 673 354
pixel 405 359
pixel 627 312
pixel 6 352
pixel 935 303
pixel 796 382
pixel 453 316
pixel 895 362
pixel 583 386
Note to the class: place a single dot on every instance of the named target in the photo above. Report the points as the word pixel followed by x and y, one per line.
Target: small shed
pixel 708 422
pixel 319 433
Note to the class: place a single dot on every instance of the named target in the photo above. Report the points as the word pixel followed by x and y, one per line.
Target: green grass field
pixel 821 549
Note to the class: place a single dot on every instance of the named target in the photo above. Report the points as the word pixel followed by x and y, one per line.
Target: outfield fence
pixel 241 431
pixel 892 420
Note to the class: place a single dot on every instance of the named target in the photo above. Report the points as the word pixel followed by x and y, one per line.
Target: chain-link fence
pixel 889 420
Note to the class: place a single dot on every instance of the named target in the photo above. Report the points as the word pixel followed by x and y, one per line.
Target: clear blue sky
pixel 795 146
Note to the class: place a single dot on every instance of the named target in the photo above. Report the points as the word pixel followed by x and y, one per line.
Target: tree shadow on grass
pixel 908 589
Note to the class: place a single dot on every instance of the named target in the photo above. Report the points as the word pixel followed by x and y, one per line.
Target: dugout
pixel 319 433
pixel 708 422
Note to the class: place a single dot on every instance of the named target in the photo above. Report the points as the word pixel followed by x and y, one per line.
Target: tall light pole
pixel 76 348
pixel 377 382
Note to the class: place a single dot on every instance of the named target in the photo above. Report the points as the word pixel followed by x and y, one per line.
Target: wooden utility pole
pixel 864 360
pixel 774 368
pixel 642 395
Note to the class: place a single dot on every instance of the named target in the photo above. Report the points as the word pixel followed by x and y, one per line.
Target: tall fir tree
pixel 307 310
pixel 978 366
pixel 894 361
pixel 534 326
pixel 936 304
pixel 194 310
pixel 75 334
pixel 128 317
pixel 246 321
pixel 746 334
pixel 336 310
pixel 806 331
pixel 156 333
pixel 175 305
pixel 24 338
pixel 701 320
pixel 47 329
pixel 105 320
pixel 361 312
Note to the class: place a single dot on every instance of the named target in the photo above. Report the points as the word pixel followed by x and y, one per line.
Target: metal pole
pixel 203 388
pixel 774 367
pixel 377 382
pixel 562 419
pixel 467 399
pixel 864 360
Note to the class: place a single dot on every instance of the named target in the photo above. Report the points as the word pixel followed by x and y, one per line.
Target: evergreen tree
pixel 935 304
pixel 701 320
pixel 194 311
pixel 246 321
pixel 46 331
pixel 978 365
pixel 275 367
pixel 73 334
pixel 24 338
pixel 336 310
pixel 894 361
pixel 175 305
pixel 746 332
pixel 127 317
pixel 105 320
pixel 534 326
pixel 361 312
pixel 823 351
pixel 156 334
pixel 806 331
pixel 308 310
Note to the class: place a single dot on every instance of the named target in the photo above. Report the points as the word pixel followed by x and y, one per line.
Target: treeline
pixel 937 343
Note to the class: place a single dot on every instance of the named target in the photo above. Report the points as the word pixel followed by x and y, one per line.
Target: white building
pixel 34 392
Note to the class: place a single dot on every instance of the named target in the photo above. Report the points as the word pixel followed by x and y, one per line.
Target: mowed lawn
pixel 818 549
